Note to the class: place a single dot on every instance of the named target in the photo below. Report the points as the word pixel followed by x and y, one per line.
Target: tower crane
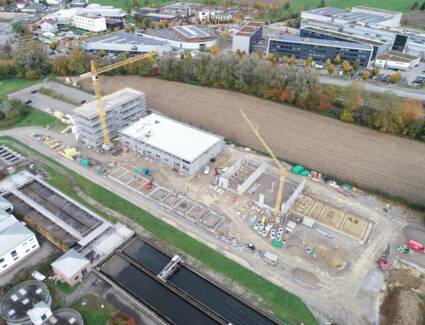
pixel 282 170
pixel 94 73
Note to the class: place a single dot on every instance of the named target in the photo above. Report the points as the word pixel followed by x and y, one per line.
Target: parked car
pixel 29 101
pixel 206 170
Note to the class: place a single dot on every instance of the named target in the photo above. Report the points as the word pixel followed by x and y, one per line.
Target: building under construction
pixel 121 108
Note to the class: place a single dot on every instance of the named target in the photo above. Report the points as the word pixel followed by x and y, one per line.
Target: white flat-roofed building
pixel 188 37
pixel 90 22
pixel 121 108
pixel 16 241
pixel 182 147
pixel 122 41
pixel 396 61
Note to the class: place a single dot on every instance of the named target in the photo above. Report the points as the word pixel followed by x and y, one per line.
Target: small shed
pixel 71 267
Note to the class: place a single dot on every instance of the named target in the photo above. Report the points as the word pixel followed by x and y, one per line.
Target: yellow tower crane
pixel 282 170
pixel 94 73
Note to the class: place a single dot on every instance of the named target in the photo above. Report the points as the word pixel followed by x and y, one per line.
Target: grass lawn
pixel 397 5
pixel 285 306
pixel 92 311
pixel 63 287
pixel 38 118
pixel 11 85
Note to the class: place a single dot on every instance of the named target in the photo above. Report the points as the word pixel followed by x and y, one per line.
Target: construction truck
pixel 416 246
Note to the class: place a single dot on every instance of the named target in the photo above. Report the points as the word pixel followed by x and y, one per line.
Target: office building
pixel 247 37
pixel 360 15
pixel 16 241
pixel 319 49
pixel 184 148
pixel 90 23
pixel 379 47
pixel 122 41
pixel 121 108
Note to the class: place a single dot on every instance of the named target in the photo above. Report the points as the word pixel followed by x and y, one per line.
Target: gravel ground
pixel 366 157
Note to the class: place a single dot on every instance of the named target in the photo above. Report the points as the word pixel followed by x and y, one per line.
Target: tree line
pixel 268 77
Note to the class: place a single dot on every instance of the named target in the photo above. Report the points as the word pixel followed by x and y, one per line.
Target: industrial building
pixel 71 267
pixel 188 37
pixel 16 241
pixel 247 37
pixel 179 9
pixel 90 22
pixel 397 38
pixel 157 17
pixel 184 148
pixel 396 61
pixel 65 17
pixel 122 41
pixel 25 303
pixel 320 50
pixel 379 47
pixel 121 108
pixel 361 15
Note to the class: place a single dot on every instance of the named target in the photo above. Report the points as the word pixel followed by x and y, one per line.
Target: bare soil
pixel 369 158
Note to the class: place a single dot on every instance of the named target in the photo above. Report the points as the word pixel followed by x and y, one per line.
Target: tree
pixel 292 60
pixel 7 48
pixel 309 62
pixel 322 4
pixel 331 69
pixel 346 116
pixel 136 3
pixel 386 115
pixel 285 59
pixel 346 66
pixel 215 50
pixel 328 62
pixel 337 59
pixel 286 6
pixel 353 98
pixel 101 53
pixel 18 27
pixel 356 64
pixel 53 45
pixel 411 111
pixel 375 71
pixel 395 77
pixel 422 8
pixel 365 75
pixel 415 5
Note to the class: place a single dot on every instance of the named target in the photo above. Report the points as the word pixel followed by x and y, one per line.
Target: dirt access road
pixel 366 157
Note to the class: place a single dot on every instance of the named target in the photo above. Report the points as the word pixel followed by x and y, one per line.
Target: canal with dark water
pixel 168 303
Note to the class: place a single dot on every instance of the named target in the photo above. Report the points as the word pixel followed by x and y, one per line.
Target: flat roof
pixel 185 33
pixel 158 15
pixel 322 42
pixel 173 137
pixel 345 35
pixel 376 17
pixel 397 56
pixel 250 28
pixel 192 31
pixel 90 110
pixel 122 37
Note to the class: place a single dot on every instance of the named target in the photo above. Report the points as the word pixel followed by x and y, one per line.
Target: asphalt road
pixel 376 88
pixel 44 103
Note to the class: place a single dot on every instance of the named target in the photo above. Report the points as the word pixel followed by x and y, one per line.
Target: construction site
pixel 290 224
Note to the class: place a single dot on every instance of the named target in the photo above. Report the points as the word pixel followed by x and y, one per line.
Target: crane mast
pixel 282 170
pixel 94 73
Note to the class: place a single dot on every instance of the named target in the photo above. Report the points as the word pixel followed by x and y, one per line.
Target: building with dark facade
pixel 321 33
pixel 319 49
pixel 249 35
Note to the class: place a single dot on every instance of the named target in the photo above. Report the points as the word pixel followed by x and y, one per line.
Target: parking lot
pixel 34 98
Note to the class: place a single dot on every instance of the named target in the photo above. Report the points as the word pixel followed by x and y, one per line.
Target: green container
pixel 84 163
pixel 277 244
pixel 297 169
pixel 305 173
